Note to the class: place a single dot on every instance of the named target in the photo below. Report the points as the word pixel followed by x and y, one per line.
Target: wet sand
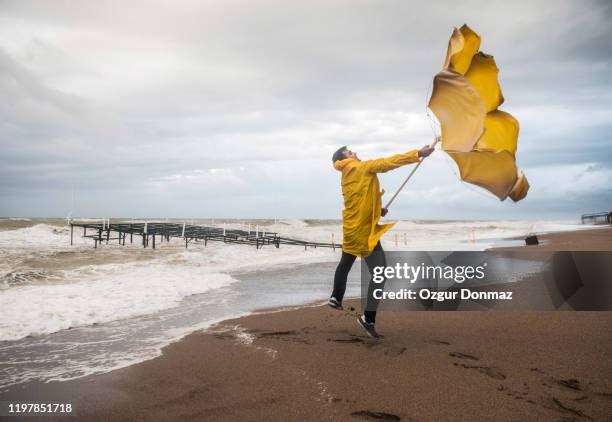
pixel 315 363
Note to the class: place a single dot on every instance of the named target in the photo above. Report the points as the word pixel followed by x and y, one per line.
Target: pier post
pixel 131 239
pixel 71 231
pixel 153 241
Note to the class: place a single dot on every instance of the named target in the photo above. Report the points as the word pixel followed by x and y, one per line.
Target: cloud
pixel 134 107
pixel 207 181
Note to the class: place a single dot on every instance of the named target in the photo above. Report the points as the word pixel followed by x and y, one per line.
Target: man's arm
pixel 383 165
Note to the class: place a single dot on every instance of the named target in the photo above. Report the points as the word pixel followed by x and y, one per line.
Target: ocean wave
pixel 21 278
pixel 38 235
pixel 113 292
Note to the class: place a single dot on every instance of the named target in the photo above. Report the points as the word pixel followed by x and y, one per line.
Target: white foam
pixel 228 257
pixel 110 292
pixel 466 235
pixel 39 235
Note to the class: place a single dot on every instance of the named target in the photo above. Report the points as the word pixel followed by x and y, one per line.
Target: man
pixel 360 229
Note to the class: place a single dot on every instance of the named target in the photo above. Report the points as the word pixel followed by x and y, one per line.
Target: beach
pixel 599 239
pixel 315 363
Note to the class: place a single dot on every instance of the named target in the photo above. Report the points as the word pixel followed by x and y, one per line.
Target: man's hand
pixel 383 212
pixel 425 151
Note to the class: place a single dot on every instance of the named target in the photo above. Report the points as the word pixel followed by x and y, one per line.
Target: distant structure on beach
pixel 597 218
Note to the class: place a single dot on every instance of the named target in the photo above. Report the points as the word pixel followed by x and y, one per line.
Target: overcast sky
pixel 233 109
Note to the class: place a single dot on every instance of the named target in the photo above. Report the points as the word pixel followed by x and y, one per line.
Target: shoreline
pixel 311 362
pixel 588 239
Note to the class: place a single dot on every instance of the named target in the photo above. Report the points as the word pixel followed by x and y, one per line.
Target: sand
pixel 596 239
pixel 315 363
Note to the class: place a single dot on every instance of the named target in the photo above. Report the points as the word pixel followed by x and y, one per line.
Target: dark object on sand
pixel 532 240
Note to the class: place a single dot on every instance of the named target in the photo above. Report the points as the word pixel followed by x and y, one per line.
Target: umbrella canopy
pixel 481 139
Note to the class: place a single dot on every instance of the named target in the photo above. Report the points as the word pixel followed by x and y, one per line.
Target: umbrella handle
pixel 409 176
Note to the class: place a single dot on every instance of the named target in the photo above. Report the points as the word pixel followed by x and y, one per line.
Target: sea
pixel 68 311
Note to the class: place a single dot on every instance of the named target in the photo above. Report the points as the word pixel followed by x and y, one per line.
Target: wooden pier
pixel 149 233
pixel 597 218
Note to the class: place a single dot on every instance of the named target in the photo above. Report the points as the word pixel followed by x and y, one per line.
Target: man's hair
pixel 339 155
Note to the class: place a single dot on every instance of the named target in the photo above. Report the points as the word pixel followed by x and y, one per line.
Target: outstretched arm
pixel 383 165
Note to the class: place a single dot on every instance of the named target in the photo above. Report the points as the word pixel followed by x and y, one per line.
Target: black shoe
pixel 333 302
pixel 369 327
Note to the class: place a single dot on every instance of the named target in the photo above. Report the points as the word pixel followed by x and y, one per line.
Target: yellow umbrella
pixel 481 139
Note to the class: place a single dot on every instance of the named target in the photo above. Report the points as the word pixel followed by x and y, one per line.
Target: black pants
pixel 375 259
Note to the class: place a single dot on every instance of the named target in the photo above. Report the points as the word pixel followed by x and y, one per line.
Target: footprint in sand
pixel 489 371
pixel 224 336
pixel 375 416
pixel 388 350
pixel 571 383
pixel 371 344
pixel 346 340
pixel 291 336
pixel 558 405
pixel 277 333
pixel 438 342
pixel 395 351
pixel 565 395
pixel 462 356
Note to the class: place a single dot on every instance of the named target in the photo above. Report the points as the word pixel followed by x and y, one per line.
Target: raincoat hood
pixel 341 164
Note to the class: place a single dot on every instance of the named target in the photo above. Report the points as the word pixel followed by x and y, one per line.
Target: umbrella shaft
pixel 408 178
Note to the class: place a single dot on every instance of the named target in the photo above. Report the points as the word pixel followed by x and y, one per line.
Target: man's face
pixel 350 154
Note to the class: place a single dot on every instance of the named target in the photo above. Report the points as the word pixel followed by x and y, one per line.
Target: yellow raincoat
pixel 362 200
